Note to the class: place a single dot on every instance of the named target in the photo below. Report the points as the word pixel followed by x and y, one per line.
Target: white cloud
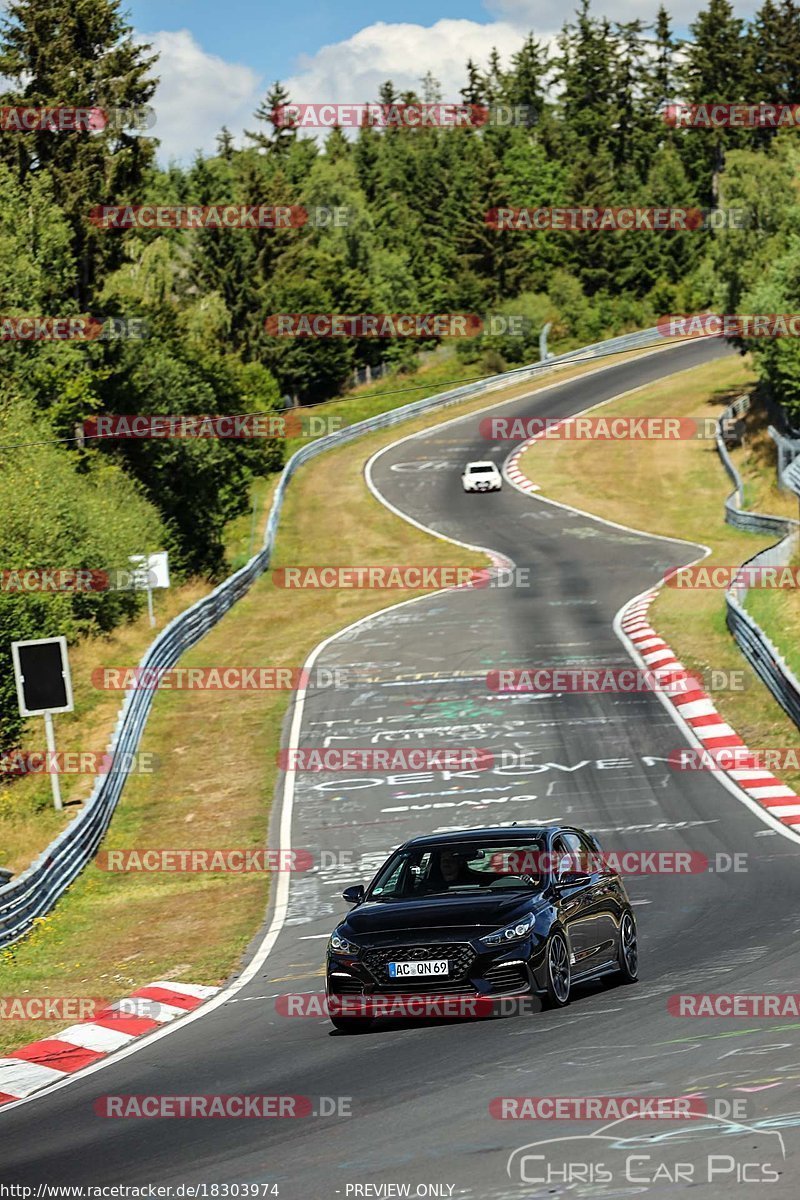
pixel 536 14
pixel 198 94
pixel 351 71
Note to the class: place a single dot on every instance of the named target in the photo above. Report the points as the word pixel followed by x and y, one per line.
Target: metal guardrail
pixel 762 654
pixel 33 893
pixel 788 451
pixel 790 477
pixel 735 515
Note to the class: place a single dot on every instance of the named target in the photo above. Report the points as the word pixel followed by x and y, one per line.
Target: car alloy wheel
pixel 559 975
pixel 628 949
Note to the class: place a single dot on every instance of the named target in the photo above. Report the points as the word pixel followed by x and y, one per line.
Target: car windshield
pixel 481 469
pixel 419 872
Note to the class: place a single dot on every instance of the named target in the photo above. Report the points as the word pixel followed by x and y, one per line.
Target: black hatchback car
pixel 482 913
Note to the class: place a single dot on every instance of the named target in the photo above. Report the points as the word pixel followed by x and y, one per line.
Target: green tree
pixel 585 69
pixel 717 70
pixel 79 53
pixel 278 130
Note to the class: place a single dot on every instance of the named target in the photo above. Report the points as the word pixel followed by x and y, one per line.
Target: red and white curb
pixel 514 475
pixel 697 710
pixel 511 469
pixel 50 1060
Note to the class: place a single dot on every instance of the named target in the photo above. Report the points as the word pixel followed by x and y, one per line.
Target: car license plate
pixel 417 968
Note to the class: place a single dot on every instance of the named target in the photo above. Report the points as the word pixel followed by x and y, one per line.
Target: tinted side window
pixel 563 857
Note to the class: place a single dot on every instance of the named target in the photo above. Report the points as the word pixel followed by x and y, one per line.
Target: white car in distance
pixel 481 477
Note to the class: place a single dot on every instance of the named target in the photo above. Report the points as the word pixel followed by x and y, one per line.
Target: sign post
pixel 44 687
pixel 50 738
pixel 150 571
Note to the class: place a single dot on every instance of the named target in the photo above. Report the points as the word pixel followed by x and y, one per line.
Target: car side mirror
pixel 354 894
pixel 573 879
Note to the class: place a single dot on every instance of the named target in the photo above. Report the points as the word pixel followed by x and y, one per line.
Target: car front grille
pixel 459 955
pixel 428 987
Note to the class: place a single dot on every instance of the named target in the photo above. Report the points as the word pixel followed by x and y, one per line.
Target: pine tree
pixel 635 134
pixel 717 70
pixel 387 93
pixel 775 48
pixel 336 145
pixel 475 90
pixel 80 53
pixel 663 70
pixel 271 113
pixel 365 157
pixel 527 80
pixel 526 86
pixel 495 79
pixel 586 69
pixel 225 143
pixel 431 88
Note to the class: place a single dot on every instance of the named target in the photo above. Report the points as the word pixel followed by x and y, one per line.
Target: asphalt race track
pixel 419 1092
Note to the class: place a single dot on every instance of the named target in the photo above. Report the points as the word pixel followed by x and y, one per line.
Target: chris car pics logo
pixel 628 1153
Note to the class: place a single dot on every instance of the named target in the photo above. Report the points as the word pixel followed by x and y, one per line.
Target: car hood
pixel 473 912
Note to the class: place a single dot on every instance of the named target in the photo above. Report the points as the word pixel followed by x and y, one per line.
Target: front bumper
pixel 475 970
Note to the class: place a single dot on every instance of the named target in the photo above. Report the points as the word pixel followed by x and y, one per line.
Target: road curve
pixel 419 1093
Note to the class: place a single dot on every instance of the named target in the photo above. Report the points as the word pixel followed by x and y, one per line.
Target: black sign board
pixel 41 669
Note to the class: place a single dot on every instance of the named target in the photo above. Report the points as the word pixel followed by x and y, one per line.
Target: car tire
pixel 351 1024
pixel 558 973
pixel 628 970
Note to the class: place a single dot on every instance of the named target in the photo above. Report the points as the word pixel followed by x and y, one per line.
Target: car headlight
pixel 340 945
pixel 511 933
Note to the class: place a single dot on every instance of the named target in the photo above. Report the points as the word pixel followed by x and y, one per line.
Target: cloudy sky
pixel 217 61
